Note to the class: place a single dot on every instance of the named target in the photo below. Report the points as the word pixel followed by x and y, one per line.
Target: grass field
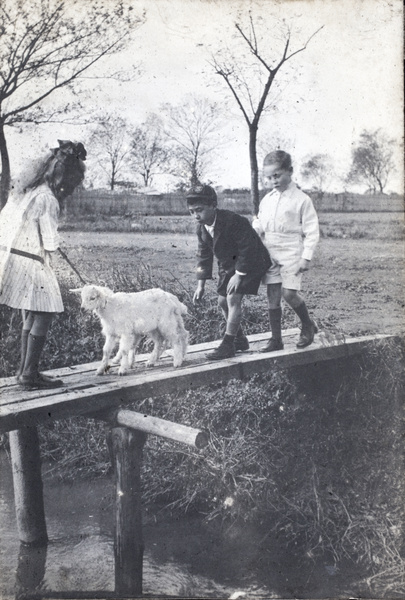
pixel 356 281
pixel 313 458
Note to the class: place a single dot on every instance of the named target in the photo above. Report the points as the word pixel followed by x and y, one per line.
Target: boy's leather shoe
pixel 241 343
pixel 272 345
pixel 38 382
pixel 307 335
pixel 226 349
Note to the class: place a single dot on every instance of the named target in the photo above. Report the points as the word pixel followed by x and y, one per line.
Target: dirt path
pixel 355 285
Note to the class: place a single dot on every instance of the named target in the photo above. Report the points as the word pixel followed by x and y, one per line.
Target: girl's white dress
pixel 29 226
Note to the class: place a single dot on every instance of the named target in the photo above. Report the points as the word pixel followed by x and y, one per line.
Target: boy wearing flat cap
pixel 242 261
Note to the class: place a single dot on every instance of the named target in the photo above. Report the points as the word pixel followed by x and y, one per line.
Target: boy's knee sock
pixel 232 328
pixel 275 322
pixel 303 314
pixel 240 332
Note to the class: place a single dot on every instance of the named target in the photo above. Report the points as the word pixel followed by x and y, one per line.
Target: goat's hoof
pixel 103 370
pixel 122 372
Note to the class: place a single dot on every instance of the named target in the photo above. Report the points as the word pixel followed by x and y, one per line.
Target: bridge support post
pixel 28 489
pixel 127 448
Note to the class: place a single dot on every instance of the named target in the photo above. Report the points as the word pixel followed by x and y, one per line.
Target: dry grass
pixel 312 456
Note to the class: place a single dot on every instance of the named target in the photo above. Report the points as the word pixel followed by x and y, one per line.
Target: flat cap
pixel 202 193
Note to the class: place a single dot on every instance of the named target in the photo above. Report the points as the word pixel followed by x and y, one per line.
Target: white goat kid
pixel 129 317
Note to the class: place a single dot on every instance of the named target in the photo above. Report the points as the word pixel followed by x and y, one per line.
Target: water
pixel 182 557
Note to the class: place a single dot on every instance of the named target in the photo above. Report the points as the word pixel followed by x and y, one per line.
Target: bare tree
pixel 250 79
pixel 46 45
pixel 372 160
pixel 110 143
pixel 193 129
pixel 317 169
pixel 148 152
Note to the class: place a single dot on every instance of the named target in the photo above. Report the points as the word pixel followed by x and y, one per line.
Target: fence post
pixel 28 489
pixel 128 543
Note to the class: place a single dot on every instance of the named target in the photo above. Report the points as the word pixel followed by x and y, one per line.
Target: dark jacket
pixel 235 245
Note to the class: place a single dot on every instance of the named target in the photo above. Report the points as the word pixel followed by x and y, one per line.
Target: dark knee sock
pixel 240 332
pixel 24 342
pixel 35 346
pixel 303 314
pixel 275 322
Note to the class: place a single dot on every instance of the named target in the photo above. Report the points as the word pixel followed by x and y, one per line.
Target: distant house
pixel 149 191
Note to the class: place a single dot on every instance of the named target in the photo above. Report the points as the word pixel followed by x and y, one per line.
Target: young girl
pixel 28 237
pixel 289 225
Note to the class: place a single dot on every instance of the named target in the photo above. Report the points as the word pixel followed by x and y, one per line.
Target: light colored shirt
pixel 289 212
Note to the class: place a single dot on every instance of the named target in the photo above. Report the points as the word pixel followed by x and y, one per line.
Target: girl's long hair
pixel 66 161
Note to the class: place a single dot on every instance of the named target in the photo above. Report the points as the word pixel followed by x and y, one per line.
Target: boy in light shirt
pixel 288 224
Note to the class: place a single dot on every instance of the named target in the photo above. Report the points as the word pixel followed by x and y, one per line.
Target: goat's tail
pixel 182 308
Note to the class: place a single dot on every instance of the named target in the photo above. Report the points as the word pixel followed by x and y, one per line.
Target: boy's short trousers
pixel 250 283
pixel 285 252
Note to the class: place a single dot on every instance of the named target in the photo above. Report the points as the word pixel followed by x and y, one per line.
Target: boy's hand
pixel 233 284
pixel 303 266
pixel 199 293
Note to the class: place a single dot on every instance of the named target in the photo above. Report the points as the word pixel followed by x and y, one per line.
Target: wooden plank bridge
pixel 105 398
pixel 86 393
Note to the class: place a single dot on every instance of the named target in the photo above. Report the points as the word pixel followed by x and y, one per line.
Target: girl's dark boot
pixel 24 342
pixel 31 378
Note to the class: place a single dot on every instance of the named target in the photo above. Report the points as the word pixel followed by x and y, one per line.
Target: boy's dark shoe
pixel 38 381
pixel 226 349
pixel 272 345
pixel 241 343
pixel 307 335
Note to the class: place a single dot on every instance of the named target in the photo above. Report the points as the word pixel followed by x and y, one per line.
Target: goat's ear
pixel 76 290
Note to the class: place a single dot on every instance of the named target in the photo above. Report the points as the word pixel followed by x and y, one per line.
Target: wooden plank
pixel 163 428
pixel 85 393
pixel 128 540
pixel 28 489
pixel 90 368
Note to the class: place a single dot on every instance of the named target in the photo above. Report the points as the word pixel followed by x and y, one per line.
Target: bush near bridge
pixel 311 456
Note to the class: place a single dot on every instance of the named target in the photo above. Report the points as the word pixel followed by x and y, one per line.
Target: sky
pixel 348 79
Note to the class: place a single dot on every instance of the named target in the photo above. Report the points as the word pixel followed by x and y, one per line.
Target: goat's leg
pixel 117 358
pixel 179 345
pixel 132 351
pixel 183 334
pixel 158 344
pixel 126 345
pixel 110 342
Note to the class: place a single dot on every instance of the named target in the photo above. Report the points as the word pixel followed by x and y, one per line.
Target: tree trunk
pixel 254 170
pixel 380 185
pixel 5 181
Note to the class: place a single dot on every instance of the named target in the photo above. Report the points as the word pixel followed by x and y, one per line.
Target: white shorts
pixel 285 251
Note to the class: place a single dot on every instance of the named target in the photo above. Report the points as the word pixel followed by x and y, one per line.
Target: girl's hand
pixel 48 259
pixel 303 266
pixel 199 293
